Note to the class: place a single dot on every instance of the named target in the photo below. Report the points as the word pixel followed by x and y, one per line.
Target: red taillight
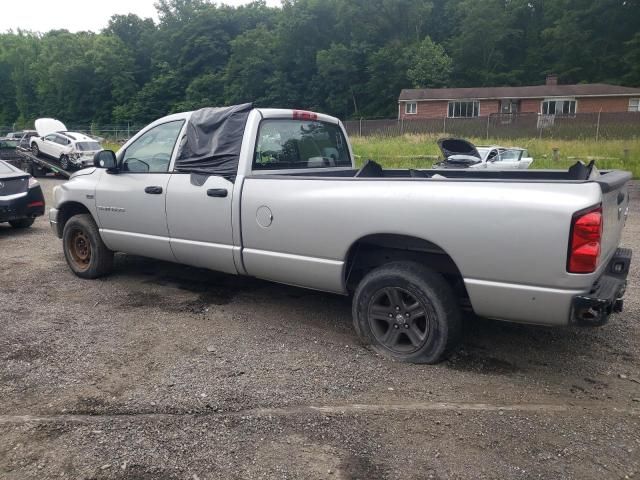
pixel 302 115
pixel 35 204
pixel 584 246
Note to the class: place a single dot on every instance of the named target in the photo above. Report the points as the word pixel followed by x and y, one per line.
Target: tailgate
pixel 615 208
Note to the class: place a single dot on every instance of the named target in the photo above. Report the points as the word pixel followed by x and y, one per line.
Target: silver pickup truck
pixel 275 194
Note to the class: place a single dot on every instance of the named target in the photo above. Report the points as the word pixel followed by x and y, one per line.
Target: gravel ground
pixel 162 371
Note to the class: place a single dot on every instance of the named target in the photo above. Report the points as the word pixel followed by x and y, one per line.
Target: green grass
pixel 111 146
pixel 420 151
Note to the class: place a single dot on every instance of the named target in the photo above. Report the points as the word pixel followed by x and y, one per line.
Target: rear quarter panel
pixel 499 234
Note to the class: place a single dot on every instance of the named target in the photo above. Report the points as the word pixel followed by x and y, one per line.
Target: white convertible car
pixel 460 153
pixel 72 149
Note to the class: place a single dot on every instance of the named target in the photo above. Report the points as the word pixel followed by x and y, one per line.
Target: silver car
pixel 459 153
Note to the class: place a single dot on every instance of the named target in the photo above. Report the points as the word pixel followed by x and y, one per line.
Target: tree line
pixel 349 58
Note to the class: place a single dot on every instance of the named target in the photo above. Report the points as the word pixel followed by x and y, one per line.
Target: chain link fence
pixel 581 126
pixel 109 133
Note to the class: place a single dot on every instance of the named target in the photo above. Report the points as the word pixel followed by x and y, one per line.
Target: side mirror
pixel 105 159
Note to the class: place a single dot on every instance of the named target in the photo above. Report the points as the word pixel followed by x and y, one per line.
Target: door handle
pixel 153 190
pixel 217 192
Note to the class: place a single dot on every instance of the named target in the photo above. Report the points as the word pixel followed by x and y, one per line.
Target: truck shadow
pixel 501 348
pixel 488 347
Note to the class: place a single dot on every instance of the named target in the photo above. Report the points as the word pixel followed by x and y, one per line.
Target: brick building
pixel 548 99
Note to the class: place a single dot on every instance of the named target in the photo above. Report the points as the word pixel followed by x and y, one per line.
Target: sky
pixel 45 15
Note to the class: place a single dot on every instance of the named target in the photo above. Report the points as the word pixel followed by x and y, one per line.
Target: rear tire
pixel 35 150
pixel 84 250
pixel 22 222
pixel 64 162
pixel 408 312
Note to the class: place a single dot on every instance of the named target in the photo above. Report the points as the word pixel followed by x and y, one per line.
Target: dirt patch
pixel 480 362
pixel 26 353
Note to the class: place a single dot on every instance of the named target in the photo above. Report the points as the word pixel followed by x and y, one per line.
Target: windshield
pixel 285 144
pixel 483 151
pixel 88 146
pixel 9 143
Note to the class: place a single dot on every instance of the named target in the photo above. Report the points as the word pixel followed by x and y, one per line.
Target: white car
pixel 460 153
pixel 72 149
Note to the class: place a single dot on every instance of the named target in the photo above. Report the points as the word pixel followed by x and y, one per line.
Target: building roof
pixel 536 91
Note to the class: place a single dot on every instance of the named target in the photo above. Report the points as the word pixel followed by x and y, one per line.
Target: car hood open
pixel 45 126
pixel 457 146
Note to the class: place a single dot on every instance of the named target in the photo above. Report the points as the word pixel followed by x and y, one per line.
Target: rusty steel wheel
pixel 86 253
pixel 80 249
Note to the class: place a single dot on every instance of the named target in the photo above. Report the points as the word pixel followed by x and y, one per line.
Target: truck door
pixel 199 220
pixel 131 202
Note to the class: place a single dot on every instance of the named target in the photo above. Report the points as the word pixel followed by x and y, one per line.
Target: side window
pixel 290 144
pixel 51 137
pixel 62 140
pixel 510 155
pixel 151 153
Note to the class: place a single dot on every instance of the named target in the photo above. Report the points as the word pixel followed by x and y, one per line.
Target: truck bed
pixel 608 179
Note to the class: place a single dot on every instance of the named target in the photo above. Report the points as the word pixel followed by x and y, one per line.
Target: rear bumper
pixel 605 297
pixel 82 162
pixel 27 205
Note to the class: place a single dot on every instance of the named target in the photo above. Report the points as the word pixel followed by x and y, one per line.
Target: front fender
pixel 77 194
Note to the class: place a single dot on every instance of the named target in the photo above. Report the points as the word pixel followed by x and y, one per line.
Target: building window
pixel 411 108
pixel 559 106
pixel 634 104
pixel 465 109
pixel 509 106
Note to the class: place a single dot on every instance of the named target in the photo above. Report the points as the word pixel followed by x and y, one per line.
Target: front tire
pixel 22 222
pixel 84 250
pixel 407 312
pixel 64 162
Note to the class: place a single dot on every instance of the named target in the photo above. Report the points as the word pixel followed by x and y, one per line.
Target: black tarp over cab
pixel 213 140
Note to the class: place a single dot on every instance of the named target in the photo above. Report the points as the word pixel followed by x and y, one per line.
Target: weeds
pixel 420 151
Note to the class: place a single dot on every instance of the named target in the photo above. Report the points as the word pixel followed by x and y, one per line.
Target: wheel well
pixel 375 250
pixel 68 210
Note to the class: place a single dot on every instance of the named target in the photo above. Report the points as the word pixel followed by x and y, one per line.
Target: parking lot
pixel 163 371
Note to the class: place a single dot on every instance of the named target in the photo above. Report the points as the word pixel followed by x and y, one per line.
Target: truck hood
pixel 458 147
pixel 45 126
pixel 84 171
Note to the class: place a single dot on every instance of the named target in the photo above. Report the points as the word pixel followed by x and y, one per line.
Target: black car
pixel 21 199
